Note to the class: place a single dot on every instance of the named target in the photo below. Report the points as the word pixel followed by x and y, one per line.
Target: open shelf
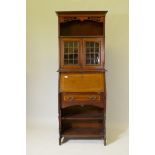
pixel 83 132
pixel 82 113
pixel 84 116
pixel 82 128
pixel 81 28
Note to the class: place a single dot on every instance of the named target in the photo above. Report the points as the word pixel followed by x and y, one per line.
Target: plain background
pixel 42 64
pixel 42 57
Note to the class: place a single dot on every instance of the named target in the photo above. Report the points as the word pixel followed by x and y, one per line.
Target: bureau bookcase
pixel 82 86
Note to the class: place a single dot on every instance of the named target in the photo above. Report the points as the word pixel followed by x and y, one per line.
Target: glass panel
pixel 65 62
pixel 75 44
pixel 71 49
pixel 97 50
pixel 71 56
pixel 66 44
pixel 75 50
pixel 97 45
pixel 76 56
pixel 70 44
pixel 92 61
pixel 70 61
pixel 91 44
pixel 92 50
pixel 66 50
pixel 92 53
pixel 66 56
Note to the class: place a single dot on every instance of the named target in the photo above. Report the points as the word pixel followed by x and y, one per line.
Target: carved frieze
pixel 64 19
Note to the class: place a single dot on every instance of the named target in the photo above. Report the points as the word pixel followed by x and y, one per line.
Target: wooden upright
pixel 82 86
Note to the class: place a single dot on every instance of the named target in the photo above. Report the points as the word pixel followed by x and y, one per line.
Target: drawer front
pixel 71 99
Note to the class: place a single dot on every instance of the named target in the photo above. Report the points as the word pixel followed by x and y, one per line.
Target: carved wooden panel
pixel 64 19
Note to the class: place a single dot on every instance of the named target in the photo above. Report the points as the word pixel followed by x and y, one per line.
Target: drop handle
pixel 92 97
pixel 70 98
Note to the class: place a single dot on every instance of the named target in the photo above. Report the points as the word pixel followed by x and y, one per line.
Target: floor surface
pixel 43 140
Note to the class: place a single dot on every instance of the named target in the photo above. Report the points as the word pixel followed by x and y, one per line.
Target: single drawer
pixel 70 99
pixel 84 98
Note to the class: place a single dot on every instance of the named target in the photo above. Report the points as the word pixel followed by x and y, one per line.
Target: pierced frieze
pixel 95 18
pixel 67 19
pixel 81 18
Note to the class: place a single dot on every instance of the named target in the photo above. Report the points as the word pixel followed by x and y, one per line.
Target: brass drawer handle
pixel 92 97
pixel 70 98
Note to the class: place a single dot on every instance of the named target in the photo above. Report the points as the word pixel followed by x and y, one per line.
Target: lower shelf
pixel 82 113
pixel 83 132
pixel 83 116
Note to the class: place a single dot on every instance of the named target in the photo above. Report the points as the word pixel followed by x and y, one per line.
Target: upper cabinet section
pixel 81 40
pixel 81 23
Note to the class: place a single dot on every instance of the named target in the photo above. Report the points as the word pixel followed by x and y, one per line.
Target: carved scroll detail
pixel 96 19
pixel 81 18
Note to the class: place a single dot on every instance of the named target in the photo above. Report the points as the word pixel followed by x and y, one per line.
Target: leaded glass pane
pixel 71 49
pixel 92 53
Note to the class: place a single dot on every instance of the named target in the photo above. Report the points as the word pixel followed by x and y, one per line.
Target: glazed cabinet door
pixel 78 53
pixel 70 53
pixel 93 53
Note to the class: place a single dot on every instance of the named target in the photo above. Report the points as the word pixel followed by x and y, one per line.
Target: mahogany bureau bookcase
pixel 82 86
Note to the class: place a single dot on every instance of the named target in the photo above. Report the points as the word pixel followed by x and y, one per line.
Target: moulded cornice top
pixel 59 13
